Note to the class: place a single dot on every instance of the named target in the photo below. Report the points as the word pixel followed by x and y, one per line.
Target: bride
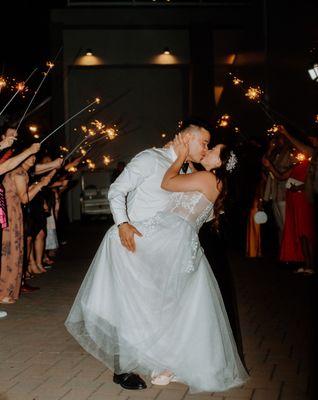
pixel 158 311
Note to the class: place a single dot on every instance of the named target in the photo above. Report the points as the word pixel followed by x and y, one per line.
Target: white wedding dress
pixel 160 307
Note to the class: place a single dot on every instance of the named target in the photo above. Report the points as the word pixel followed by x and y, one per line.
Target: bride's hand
pixel 181 146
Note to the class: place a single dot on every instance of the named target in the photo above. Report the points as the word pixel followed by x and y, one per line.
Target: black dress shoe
pixel 130 381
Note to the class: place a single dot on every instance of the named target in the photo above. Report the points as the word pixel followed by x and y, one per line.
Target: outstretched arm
pixel 46 167
pixel 308 150
pixel 281 176
pixel 202 181
pixel 13 162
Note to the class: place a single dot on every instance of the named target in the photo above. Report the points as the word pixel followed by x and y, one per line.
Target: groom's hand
pixel 126 234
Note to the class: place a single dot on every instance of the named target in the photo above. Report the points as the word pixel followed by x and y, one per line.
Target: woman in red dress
pixel 299 230
pixel 298 240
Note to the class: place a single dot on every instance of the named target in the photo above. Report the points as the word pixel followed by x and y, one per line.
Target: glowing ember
pixel 72 169
pixel 236 81
pixel 64 149
pixel 97 100
pixel 91 165
pixel 107 160
pixel 83 151
pixel 98 124
pixel 300 157
pixel 33 128
pixel 20 86
pixel 111 133
pixel 224 121
pixel 3 82
pixel 254 93
pixel 49 64
pixel 274 129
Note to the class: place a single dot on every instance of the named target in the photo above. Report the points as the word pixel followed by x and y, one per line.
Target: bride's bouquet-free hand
pixel 181 146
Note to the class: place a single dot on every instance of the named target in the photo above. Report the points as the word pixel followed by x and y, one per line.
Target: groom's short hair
pixel 198 122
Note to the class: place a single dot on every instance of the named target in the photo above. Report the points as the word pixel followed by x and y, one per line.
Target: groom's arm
pixel 134 174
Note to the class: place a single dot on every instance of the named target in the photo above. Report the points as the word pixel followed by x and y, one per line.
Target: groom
pixel 136 195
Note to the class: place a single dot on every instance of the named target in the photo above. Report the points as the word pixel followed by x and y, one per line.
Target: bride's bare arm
pixel 172 181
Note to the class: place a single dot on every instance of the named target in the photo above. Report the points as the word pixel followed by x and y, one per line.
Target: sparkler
pixel 19 88
pixel 96 101
pixel 50 66
pixel 254 93
pixel 99 127
pixel 75 148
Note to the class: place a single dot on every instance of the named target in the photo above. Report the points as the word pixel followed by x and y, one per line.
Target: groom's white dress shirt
pixel 136 194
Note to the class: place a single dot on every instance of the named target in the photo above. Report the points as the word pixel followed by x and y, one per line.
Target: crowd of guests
pixel 32 183
pixel 31 187
pixel 287 191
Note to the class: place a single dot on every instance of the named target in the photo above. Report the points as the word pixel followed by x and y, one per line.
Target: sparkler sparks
pixel 33 128
pixel 271 131
pixel 3 83
pixel 300 157
pixel 111 133
pixel 64 149
pixel 254 93
pixel 72 169
pixel 236 81
pixel 107 160
pixel 97 126
pixel 224 121
pixel 90 164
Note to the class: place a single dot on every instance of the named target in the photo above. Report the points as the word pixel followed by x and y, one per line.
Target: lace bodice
pixel 194 207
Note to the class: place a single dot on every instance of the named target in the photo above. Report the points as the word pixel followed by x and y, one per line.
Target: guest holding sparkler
pixel 6 166
pixel 17 193
pixel 299 231
pixel 36 219
pixel 278 155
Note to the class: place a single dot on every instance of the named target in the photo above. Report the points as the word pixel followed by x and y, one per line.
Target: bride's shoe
pixel 163 380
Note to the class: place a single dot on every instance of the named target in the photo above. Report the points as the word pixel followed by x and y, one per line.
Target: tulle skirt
pixel 158 308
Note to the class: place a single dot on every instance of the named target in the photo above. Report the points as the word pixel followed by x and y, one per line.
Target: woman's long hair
pixel 221 174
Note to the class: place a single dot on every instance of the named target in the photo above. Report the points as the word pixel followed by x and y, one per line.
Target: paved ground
pixel 40 361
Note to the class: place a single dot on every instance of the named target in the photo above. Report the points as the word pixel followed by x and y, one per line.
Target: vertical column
pixel 201 96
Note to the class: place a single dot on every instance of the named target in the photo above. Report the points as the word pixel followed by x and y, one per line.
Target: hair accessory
pixel 231 163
